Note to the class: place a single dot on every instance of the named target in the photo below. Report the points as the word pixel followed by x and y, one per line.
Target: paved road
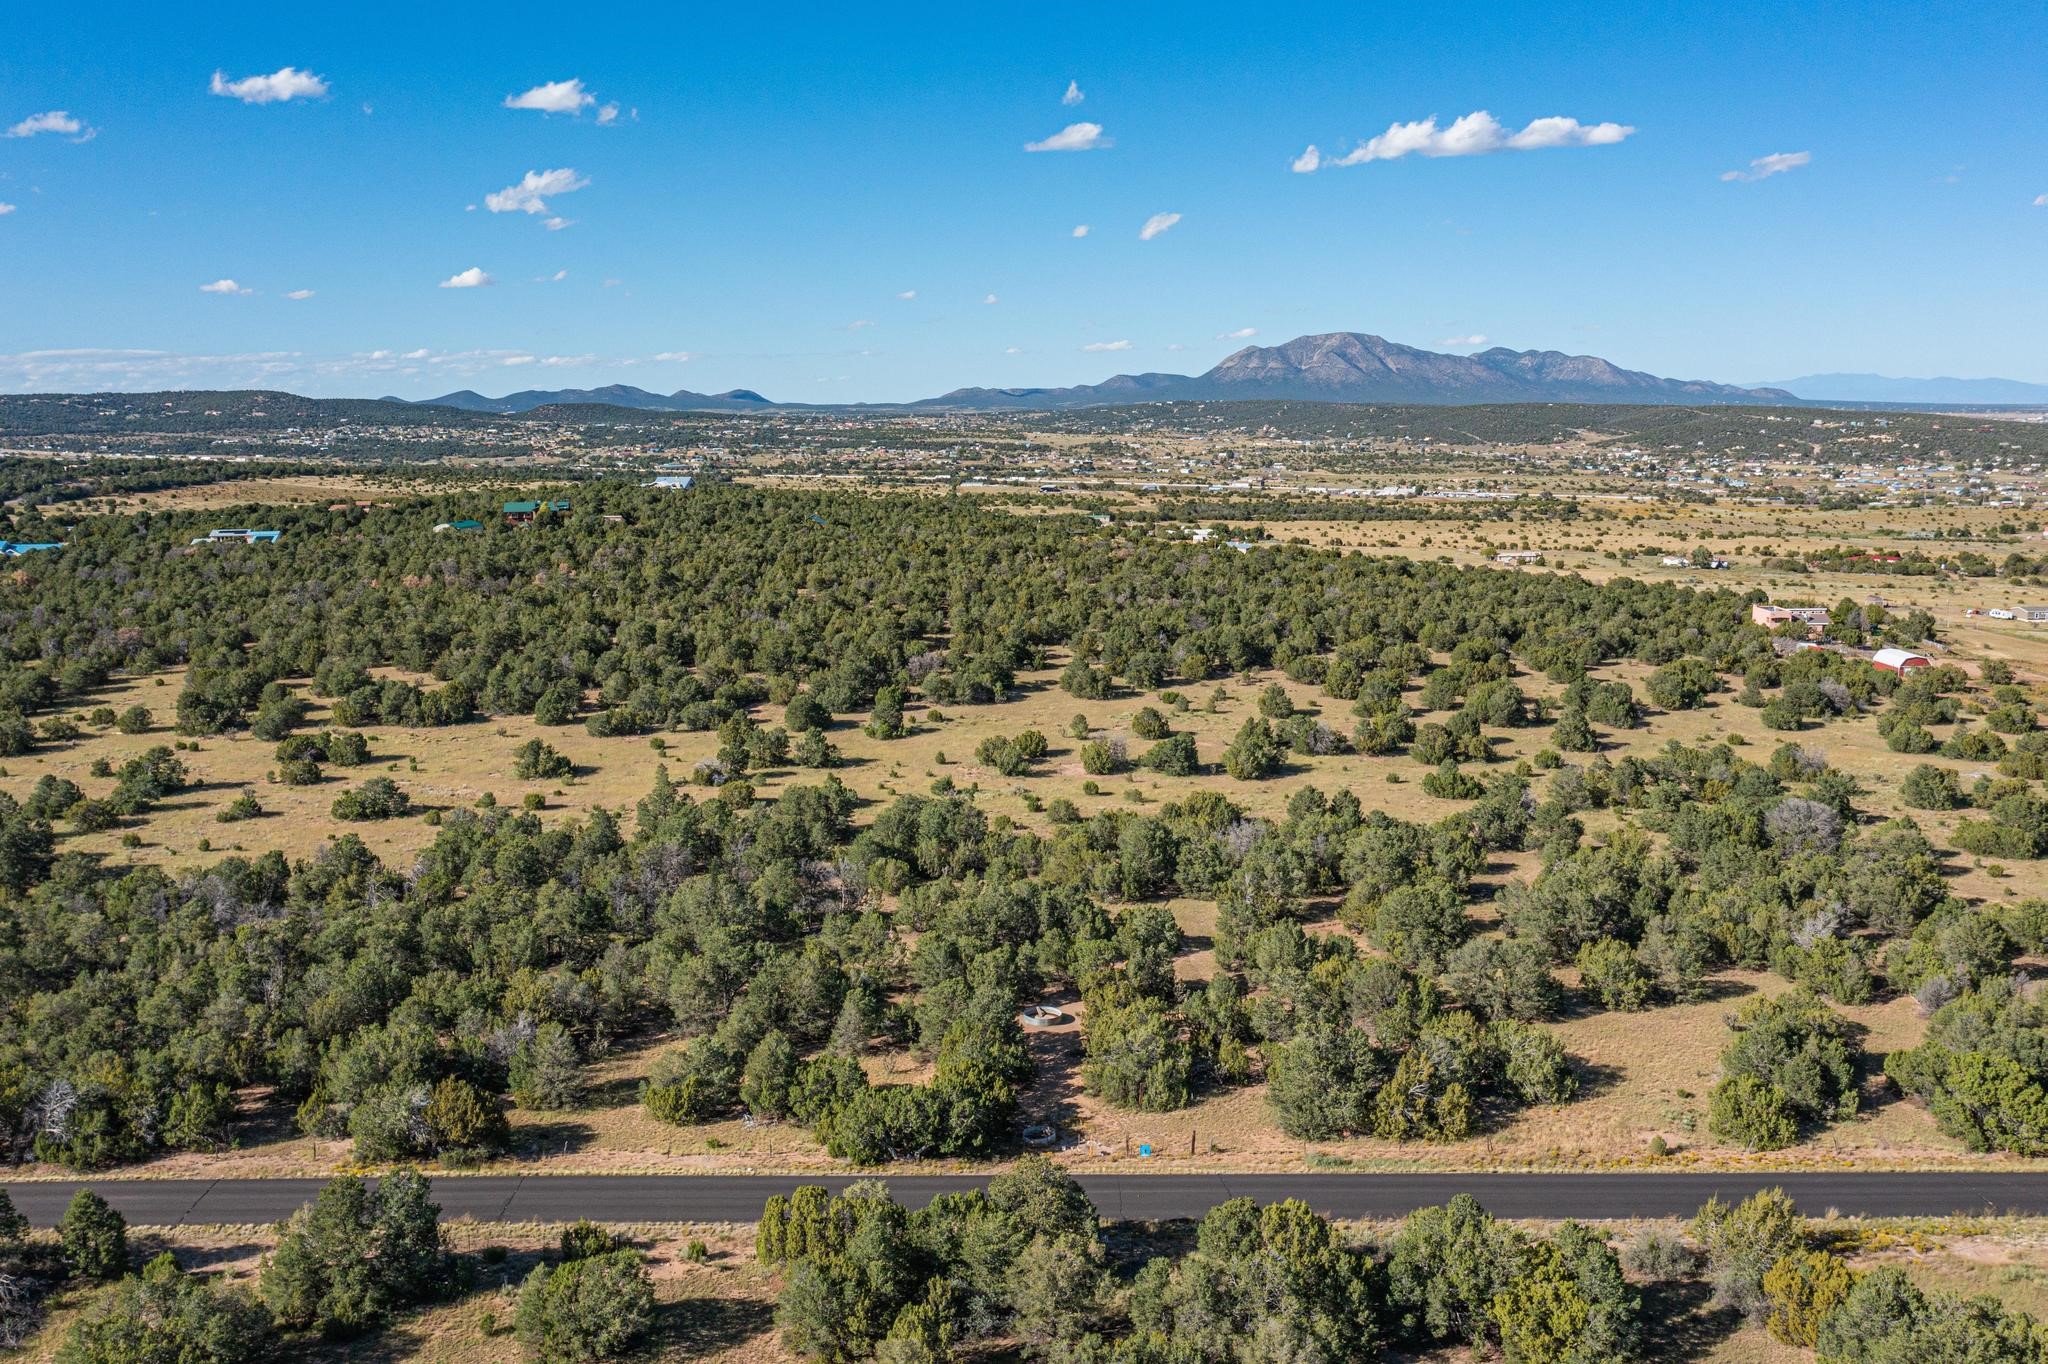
pixel 738 1198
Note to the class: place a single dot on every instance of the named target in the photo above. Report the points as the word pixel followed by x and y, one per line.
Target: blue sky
pixel 774 179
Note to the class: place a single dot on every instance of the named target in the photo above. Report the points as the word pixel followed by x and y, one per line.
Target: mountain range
pixel 1338 367
pixel 1880 388
pixel 611 395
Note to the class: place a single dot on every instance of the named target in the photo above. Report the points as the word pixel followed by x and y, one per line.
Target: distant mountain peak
pixel 1881 388
pixel 1347 367
pixel 1360 367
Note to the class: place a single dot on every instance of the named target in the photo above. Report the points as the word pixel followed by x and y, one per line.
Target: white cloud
pixel 224 286
pixel 608 115
pixel 907 295
pixel 557 224
pixel 135 369
pixel 526 196
pixel 55 121
pixel 566 361
pixel 1476 134
pixel 860 326
pixel 555 278
pixel 472 278
pixel 1106 345
pixel 100 369
pixel 1176 346
pixel 1075 137
pixel 554 97
pixel 6 209
pixel 1081 230
pixel 675 357
pixel 1476 339
pixel 512 361
pixel 991 300
pixel 1777 163
pixel 297 294
pixel 1013 350
pixel 1073 95
pixel 1156 224
pixel 287 83
pixel 1241 334
pixel 2041 201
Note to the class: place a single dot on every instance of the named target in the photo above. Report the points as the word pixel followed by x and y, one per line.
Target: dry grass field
pixel 291 490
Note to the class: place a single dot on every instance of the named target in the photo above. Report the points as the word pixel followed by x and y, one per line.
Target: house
pixel 1514 558
pixel 464 524
pixel 1769 615
pixel 1717 562
pixel 519 513
pixel 1675 561
pixel 1900 661
pixel 676 482
pixel 14 550
pixel 247 537
pixel 2034 613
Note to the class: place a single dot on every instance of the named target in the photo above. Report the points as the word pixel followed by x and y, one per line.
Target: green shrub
pixel 168 1315
pixel 585 1310
pixel 93 1237
pixel 537 760
pixel 356 1255
pixel 1752 1113
pixel 377 798
pixel 585 1239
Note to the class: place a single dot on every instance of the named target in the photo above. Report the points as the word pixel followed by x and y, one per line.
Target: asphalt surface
pixel 738 1198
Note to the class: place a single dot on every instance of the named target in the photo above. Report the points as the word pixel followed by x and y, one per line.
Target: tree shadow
pixel 1684 1323
pixel 621 1091
pixel 1716 989
pixel 1130 1245
pixel 1875 1091
pixel 145 1246
pixel 695 1328
pixel 1596 1077
pixel 562 1137
pixel 394 1344
pixel 262 1119
pixel 192 797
